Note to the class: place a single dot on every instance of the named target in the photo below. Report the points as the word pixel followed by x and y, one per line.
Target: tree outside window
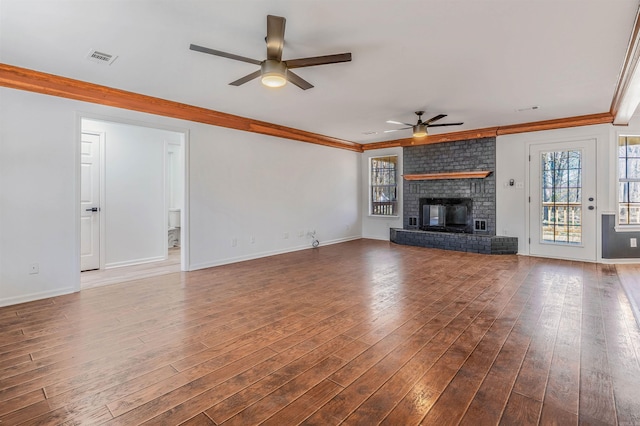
pixel 384 188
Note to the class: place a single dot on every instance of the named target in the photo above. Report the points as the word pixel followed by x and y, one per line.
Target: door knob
pixel 92 209
pixel 591 207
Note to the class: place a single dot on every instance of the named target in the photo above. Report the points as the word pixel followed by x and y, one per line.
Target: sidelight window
pixel 629 180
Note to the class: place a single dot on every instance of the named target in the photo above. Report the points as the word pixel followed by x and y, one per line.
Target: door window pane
pixel 561 197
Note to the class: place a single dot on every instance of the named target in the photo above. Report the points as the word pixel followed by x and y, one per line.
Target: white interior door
pixel 562 193
pixel 90 202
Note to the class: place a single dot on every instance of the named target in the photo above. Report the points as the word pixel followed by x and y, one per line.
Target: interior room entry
pixel 132 194
pixel 90 201
pixel 563 213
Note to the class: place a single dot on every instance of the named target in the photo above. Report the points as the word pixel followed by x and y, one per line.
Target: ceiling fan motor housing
pixel 420 130
pixel 273 73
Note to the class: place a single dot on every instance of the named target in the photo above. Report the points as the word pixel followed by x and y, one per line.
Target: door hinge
pixel 529 198
pixel 529 240
pixel 529 157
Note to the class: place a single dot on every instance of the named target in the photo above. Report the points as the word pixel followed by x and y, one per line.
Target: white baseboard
pixel 134 262
pixel 620 261
pixel 35 296
pixel 203 265
pixel 373 237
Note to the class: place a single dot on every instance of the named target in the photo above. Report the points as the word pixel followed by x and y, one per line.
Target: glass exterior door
pixel 562 200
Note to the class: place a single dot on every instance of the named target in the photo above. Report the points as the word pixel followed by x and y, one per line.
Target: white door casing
pixel 90 201
pixel 563 205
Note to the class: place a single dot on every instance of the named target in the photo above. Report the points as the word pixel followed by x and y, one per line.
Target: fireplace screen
pixel 446 214
pixel 435 215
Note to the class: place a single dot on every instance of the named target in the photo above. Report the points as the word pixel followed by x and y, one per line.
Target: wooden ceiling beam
pixel 48 84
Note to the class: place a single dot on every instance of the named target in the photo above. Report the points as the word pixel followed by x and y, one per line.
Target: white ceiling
pixel 477 60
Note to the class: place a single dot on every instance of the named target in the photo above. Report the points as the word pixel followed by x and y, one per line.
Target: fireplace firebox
pixel 446 215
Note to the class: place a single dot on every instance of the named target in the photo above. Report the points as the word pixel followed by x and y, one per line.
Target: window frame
pixel 371 186
pixel 622 227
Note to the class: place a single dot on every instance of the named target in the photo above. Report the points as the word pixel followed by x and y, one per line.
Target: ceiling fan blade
pixel 246 78
pixel 275 37
pixel 298 81
pixel 447 124
pixel 398 122
pixel 223 54
pixel 397 130
pixel 318 60
pixel 436 118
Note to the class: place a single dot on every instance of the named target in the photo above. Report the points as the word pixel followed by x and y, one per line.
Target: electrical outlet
pixel 234 242
pixel 252 239
pixel 300 234
pixel 286 236
pixel 34 268
pixel 633 242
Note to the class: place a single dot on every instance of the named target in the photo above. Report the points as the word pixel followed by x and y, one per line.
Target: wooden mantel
pixel 451 175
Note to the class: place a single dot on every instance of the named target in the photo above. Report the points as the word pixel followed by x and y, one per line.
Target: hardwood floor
pixel 364 332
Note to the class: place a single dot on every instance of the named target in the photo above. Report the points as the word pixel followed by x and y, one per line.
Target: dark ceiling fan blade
pixel 436 118
pixel 398 122
pixel 397 130
pixel 275 37
pixel 447 124
pixel 298 81
pixel 318 60
pixel 246 78
pixel 223 54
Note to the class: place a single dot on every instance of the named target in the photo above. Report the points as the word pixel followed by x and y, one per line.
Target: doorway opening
pixel 132 201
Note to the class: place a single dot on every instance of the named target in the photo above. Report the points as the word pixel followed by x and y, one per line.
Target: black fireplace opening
pixel 446 215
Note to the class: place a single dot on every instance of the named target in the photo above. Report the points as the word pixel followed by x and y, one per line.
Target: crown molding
pixel 48 84
pixel 560 123
pixel 627 94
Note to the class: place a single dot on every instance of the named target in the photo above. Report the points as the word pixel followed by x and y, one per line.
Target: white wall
pixel 377 227
pixel 512 153
pixel 249 187
pixel 135 207
pixel 241 185
pixel 38 214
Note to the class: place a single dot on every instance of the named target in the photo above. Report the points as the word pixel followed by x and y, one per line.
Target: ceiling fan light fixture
pixel 419 131
pixel 273 73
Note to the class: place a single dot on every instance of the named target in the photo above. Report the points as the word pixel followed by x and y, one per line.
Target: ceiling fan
pixel 275 72
pixel 420 128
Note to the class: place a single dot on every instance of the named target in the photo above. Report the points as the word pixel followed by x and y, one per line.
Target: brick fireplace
pixel 460 156
pixel 479 195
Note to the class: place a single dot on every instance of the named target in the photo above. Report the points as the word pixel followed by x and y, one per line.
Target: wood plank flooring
pixel 364 332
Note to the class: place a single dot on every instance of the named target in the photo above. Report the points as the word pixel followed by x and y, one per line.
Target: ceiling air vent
pixel 101 57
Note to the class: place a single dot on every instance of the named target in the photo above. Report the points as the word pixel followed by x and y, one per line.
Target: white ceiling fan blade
pixel 398 122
